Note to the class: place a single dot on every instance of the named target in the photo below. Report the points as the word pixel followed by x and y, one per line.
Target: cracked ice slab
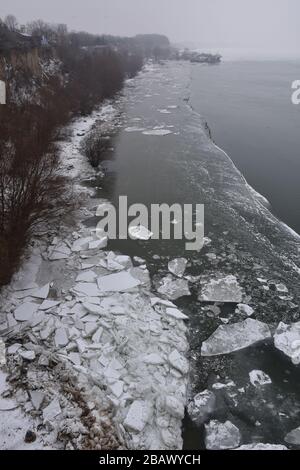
pixel 138 415
pixel 25 311
pixel 157 132
pixel 229 338
pixel 139 232
pixel 177 266
pixel 259 378
pixel 221 436
pixel 59 252
pixel 86 288
pixel 293 437
pixel 118 282
pixel 174 288
pixel 225 289
pixel 262 447
pixel 202 406
pixel 287 340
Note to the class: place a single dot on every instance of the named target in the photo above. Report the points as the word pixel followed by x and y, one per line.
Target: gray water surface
pixel 249 110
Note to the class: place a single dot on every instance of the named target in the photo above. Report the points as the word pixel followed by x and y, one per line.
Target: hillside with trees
pixel 51 75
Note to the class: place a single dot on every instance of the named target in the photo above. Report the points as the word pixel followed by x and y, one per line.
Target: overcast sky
pixel 271 25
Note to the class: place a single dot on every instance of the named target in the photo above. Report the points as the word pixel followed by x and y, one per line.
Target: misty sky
pixel 271 25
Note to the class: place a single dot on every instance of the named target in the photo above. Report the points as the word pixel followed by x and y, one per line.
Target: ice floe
pixel 259 378
pixel 139 232
pixel 118 282
pixel 164 111
pixel 25 311
pixel 157 132
pixel 173 288
pixel 134 129
pixel 259 446
pixel 224 289
pixel 201 407
pixel 221 436
pixel 244 309
pixel 233 337
pixel 178 361
pixel 175 313
pixel 293 437
pixel 287 340
pixel 2 353
pixel 177 266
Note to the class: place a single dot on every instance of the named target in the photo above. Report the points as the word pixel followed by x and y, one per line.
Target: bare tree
pixel 11 22
pixel 39 28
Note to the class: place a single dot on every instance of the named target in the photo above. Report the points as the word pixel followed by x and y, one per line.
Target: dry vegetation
pixel 31 188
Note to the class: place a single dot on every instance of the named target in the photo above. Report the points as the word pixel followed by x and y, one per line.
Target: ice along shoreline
pixel 88 316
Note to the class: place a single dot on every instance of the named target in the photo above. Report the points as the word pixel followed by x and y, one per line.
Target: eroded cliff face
pixel 25 71
pixel 28 60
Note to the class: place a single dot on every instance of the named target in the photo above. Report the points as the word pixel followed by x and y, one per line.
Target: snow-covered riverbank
pixel 90 357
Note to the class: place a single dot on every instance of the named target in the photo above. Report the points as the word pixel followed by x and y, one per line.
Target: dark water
pixel 249 110
pixel 246 241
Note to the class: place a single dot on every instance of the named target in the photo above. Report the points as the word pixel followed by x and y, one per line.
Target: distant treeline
pixel 39 32
pixel 68 74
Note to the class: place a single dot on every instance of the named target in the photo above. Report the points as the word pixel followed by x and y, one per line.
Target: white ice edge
pixel 259 197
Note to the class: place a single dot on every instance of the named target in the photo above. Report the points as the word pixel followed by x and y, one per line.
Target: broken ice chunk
pixel 201 407
pixel 175 313
pixel 89 289
pixel 118 282
pixel 244 310
pixel 138 416
pixel 281 288
pixel 173 288
pixel 98 244
pixel 221 436
pixel 117 388
pixel 177 266
pixel 174 407
pixel 59 252
pixel 157 132
pixel 225 289
pixel 28 355
pixel 86 276
pixel 293 437
pixel 81 244
pixel 61 337
pixel 153 359
pixel 2 353
pixel 47 304
pixel 51 411
pixel 25 311
pixel 260 446
pixel 233 337
pixel 179 362
pixel 94 309
pixel 37 398
pixel 139 232
pixel 287 340
pixel 259 378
